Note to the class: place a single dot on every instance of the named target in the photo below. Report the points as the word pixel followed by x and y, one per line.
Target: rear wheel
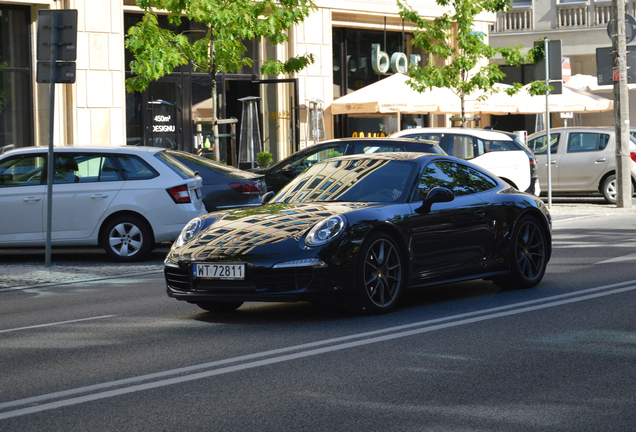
pixel 220 306
pixel 609 189
pixel 528 255
pixel 380 274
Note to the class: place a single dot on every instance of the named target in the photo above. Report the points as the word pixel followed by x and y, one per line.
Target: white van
pixel 501 153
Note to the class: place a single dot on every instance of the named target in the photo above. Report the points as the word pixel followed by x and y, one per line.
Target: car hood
pixel 251 231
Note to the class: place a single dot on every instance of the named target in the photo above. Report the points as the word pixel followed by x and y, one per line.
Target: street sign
pixel 555 59
pixel 630 28
pixel 604 66
pixel 65 73
pixel 66 34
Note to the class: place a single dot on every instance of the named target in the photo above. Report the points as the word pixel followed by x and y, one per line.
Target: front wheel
pixel 380 274
pixel 127 239
pixel 528 255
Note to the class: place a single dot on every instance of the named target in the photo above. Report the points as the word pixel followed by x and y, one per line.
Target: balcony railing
pixel 570 15
pixel 518 19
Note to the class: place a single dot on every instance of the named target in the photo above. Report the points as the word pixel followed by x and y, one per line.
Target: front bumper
pixel 263 284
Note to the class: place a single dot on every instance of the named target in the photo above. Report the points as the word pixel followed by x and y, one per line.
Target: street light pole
pixel 621 106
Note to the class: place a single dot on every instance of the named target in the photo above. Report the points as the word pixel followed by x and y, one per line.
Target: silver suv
pixel 583 159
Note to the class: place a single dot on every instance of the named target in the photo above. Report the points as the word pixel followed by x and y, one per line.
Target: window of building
pixel 16 107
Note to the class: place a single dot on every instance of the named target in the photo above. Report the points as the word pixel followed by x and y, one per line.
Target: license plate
pixel 219 271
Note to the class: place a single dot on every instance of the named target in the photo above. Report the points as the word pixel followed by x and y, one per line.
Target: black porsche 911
pixel 362 229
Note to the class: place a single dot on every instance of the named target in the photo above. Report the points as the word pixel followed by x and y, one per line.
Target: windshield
pixel 355 180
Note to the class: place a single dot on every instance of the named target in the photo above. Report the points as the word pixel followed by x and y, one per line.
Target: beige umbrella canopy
pixel 393 94
pixel 390 95
pixel 571 100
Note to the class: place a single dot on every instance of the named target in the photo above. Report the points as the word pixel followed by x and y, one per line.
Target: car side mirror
pixel 436 195
pixel 288 171
pixel 266 197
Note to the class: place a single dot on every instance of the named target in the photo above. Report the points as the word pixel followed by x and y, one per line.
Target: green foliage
pixel 334 153
pixel 264 159
pixel 217 46
pixel 452 37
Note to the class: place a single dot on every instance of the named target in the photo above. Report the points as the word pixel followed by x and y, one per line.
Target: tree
pixel 218 45
pixel 452 37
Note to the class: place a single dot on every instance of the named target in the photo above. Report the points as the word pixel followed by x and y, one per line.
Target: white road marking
pixel 630 257
pixel 56 323
pixel 305 350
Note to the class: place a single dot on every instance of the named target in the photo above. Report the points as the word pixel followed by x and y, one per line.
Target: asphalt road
pixel 117 354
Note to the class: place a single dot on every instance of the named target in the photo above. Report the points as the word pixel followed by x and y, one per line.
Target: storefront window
pixel 16 113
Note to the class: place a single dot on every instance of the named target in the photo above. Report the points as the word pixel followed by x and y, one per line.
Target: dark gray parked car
pixel 281 173
pixel 223 186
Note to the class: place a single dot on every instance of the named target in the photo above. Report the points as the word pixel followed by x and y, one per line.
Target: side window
pixel 498 145
pixel 583 142
pixel 309 159
pixel 424 136
pixel 22 170
pixel 460 179
pixel 66 168
pixel 95 167
pixel 539 145
pixel 134 168
pixel 365 148
pixel 464 147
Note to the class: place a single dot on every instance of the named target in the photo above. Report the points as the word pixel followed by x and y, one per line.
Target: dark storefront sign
pixel 360 58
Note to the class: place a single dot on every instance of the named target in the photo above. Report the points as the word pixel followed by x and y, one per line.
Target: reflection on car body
pixel 340 232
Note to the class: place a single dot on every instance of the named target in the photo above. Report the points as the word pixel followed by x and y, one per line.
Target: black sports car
pixel 361 229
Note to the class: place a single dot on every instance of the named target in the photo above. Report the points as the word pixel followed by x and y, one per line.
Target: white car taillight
pixel 180 194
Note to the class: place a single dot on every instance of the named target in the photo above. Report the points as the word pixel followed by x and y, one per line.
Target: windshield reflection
pixel 352 180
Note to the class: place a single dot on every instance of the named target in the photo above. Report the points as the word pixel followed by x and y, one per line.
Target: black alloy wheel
pixel 528 255
pixel 220 306
pixel 127 239
pixel 380 274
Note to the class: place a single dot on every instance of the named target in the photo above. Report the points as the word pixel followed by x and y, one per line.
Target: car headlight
pixel 188 232
pixel 325 231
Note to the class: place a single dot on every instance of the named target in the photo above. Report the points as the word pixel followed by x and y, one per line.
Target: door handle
pixel 601 160
pixel 480 213
pixel 32 199
pixel 99 196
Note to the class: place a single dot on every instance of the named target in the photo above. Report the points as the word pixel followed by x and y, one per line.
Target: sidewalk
pixel 21 275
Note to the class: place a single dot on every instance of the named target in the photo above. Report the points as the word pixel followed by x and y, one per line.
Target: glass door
pixel 280 120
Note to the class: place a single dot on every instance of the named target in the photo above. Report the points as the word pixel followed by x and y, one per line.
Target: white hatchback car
pixel 501 153
pixel 125 199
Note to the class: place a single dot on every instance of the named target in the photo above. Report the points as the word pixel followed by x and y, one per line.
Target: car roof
pixel 399 156
pixel 487 134
pixel 609 129
pixel 88 149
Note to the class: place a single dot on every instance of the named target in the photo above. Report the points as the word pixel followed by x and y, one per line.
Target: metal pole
pixel 51 156
pixel 621 107
pixel 547 118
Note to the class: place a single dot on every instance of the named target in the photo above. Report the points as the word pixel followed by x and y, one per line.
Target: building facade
pixel 582 27
pixel 96 110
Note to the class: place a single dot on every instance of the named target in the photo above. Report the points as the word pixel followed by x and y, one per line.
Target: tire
pixel 609 189
pixel 380 275
pixel 219 306
pixel 528 255
pixel 127 239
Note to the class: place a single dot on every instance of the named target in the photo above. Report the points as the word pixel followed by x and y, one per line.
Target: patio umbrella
pixel 393 94
pixel 571 100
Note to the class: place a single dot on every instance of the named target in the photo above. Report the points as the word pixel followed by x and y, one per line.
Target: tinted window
pixel 460 179
pixel 586 142
pixel 305 160
pixel 206 166
pixel 175 165
pixel 22 170
pixel 539 145
pixel 84 168
pixel 368 148
pixel 357 180
pixel 136 169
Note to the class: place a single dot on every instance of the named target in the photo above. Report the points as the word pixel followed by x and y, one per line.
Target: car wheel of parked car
pixel 610 189
pixel 220 306
pixel 127 239
pixel 380 274
pixel 528 255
